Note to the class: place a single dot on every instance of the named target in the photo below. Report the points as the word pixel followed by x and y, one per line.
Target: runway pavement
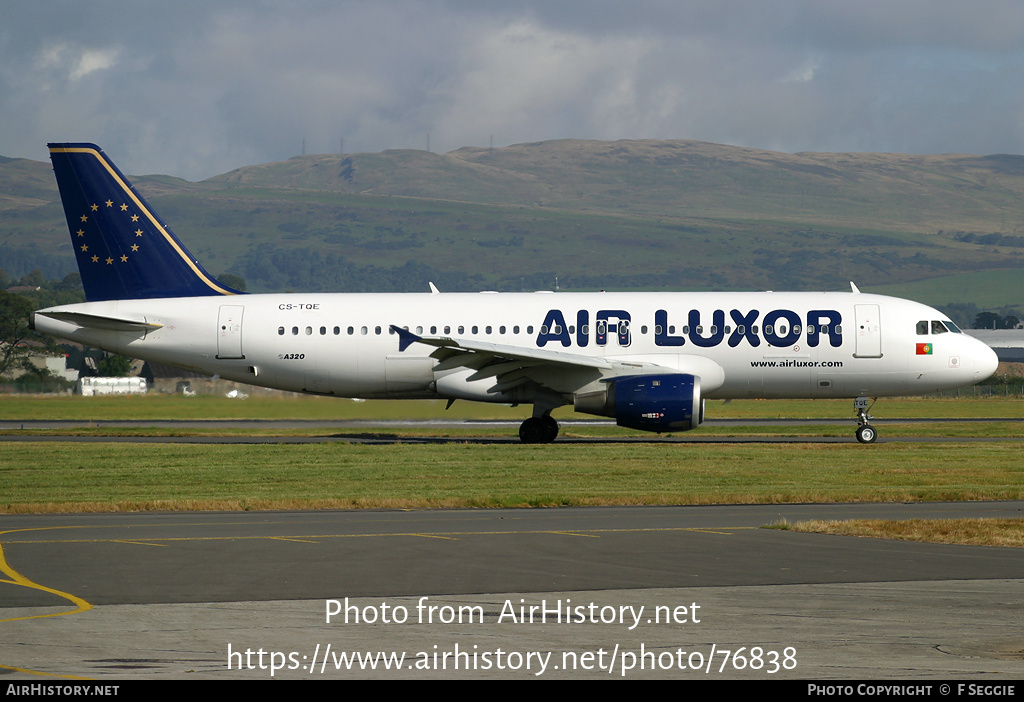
pixel 665 592
pixel 506 431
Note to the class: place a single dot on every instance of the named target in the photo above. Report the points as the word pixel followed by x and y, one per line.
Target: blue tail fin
pixel 124 250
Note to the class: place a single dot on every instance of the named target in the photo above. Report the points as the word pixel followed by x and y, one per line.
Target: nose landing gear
pixel 866 434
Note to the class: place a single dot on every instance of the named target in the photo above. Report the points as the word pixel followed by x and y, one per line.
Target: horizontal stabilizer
pixel 94 321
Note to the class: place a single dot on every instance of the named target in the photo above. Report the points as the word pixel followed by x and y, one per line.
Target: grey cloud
pixel 196 88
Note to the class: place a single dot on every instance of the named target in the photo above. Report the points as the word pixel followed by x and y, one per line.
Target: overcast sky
pixel 194 88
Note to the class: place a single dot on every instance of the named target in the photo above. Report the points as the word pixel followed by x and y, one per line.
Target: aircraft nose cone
pixel 985 362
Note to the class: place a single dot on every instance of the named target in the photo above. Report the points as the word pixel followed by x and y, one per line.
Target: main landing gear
pixel 538 430
pixel 866 434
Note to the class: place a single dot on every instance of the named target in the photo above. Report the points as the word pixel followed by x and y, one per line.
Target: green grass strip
pixel 65 476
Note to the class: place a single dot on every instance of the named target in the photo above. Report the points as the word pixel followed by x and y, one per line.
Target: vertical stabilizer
pixel 124 250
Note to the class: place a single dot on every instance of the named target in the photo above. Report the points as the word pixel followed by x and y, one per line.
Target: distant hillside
pixel 593 215
pixel 31 220
pixel 683 179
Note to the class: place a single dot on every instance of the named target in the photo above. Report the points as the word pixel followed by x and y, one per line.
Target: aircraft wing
pixel 476 353
pixel 512 366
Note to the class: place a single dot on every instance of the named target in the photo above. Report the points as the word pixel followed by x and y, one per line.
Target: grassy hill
pixel 595 215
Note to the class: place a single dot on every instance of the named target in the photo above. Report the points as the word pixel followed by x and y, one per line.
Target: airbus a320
pixel 647 359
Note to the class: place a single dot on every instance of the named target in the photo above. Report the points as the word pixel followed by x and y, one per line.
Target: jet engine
pixel 659 403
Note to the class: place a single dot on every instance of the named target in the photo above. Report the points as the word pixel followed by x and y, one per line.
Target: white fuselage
pixel 769 345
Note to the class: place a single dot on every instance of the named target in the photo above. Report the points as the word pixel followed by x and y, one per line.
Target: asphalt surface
pixel 374 431
pixel 513 594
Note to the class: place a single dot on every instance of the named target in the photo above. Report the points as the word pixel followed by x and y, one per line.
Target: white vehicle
pixel 91 386
pixel 649 360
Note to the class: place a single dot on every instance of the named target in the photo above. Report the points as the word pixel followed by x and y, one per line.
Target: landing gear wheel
pixel 533 431
pixel 551 424
pixel 866 434
pixel 538 430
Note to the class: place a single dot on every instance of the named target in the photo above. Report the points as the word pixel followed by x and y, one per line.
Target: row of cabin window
pixel 557 329
pixel 741 329
pixel 351 331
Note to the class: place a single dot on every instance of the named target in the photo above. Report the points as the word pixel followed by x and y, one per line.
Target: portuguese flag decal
pixel 924 349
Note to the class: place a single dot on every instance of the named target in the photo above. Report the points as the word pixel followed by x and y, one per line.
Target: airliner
pixel 647 359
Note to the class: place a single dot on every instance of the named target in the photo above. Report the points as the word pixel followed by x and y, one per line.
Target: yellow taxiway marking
pixel 723 531
pixel 17 578
pixel 288 538
pixel 575 533
pixel 136 543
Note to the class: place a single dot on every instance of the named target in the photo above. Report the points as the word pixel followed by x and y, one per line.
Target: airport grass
pixel 430 467
pixel 971 532
pixel 81 477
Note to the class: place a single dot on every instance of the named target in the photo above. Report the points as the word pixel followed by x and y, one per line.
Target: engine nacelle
pixel 665 402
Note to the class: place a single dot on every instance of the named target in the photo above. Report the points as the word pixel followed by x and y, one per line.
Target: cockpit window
pixel 922 328
pixel 938 327
pixel 952 327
